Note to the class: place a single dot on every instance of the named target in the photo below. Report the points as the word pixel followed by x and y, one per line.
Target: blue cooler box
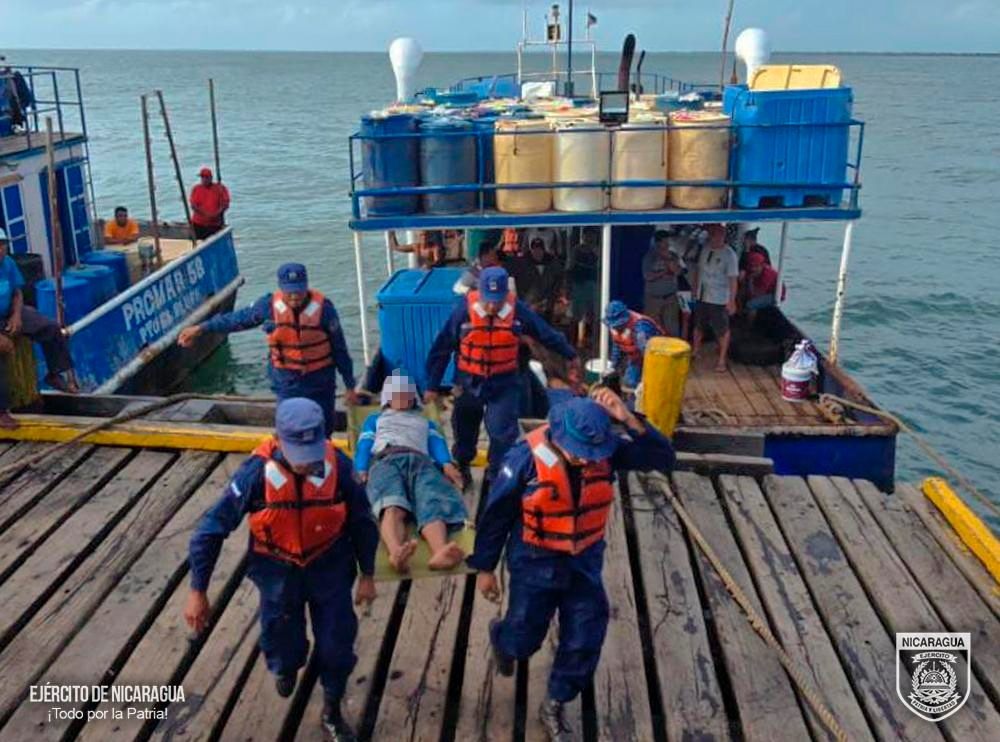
pixel 790 136
pixel 413 306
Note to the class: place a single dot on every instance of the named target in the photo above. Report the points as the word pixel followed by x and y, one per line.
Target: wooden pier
pixel 93 579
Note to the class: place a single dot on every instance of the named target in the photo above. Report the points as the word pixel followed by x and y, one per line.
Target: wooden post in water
pixel 215 129
pixel 177 164
pixel 57 245
pixel 151 180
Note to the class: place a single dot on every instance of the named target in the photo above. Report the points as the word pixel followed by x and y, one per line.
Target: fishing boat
pixel 122 306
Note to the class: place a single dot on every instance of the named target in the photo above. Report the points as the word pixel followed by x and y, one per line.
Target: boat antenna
pixel 725 42
pixel 569 54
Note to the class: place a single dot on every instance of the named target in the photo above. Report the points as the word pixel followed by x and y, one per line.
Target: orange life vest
pixel 297 525
pixel 624 336
pixel 488 344
pixel 550 518
pixel 299 342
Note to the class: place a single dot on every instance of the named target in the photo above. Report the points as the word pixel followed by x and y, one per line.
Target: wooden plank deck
pixel 93 579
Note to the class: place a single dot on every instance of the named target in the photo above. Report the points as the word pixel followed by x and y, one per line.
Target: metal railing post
pixel 605 291
pixel 362 308
pixel 782 242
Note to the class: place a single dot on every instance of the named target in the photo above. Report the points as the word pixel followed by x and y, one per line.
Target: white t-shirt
pixel 715 269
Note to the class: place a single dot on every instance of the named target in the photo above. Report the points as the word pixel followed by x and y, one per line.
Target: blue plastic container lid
pixel 435 286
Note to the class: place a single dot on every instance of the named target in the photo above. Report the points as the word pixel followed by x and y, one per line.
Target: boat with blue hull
pixel 122 306
pixel 790 156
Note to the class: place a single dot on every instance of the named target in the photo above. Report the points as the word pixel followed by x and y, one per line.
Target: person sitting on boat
pixel 293 478
pixel 630 332
pixel 759 286
pixel 549 507
pixel 488 257
pixel 306 340
pixel 752 247
pixel 17 318
pixel 715 285
pixel 582 273
pixel 661 267
pixel 121 230
pixel 484 334
pixel 429 248
pixel 403 459
pixel 209 203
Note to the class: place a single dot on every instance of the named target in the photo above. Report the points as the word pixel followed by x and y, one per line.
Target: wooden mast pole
pixel 152 181
pixel 215 129
pixel 57 243
pixel 177 164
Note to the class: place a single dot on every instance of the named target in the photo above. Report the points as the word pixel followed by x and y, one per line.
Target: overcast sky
pixel 470 25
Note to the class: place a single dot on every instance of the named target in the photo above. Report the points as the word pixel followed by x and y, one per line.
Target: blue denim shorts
pixel 412 482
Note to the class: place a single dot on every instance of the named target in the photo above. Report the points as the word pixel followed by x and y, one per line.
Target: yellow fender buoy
pixel 664 374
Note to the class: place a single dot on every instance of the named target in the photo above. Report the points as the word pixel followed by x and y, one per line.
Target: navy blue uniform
pixel 543 581
pixel 496 399
pixel 319 386
pixel 285 589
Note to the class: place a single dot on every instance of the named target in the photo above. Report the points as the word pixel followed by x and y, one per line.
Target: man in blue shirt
pixel 291 481
pixel 484 333
pixel 18 319
pixel 549 507
pixel 306 341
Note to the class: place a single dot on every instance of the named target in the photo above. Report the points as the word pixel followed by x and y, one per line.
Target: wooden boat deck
pixel 93 580
pixel 15 143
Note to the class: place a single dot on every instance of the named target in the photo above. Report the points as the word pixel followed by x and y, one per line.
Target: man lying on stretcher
pixel 403 460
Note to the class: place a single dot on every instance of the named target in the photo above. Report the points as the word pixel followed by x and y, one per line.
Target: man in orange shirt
pixel 121 230
pixel 209 201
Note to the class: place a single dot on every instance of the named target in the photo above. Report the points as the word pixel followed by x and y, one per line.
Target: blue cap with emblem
pixel 582 428
pixel 493 284
pixel 300 426
pixel 292 277
pixel 616 314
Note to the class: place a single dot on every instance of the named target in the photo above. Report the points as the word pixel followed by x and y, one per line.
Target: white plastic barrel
pixel 520 156
pixel 581 152
pixel 639 153
pixel 699 150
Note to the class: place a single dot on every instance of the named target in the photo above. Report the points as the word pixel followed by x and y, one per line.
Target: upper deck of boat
pixel 93 580
pixel 15 144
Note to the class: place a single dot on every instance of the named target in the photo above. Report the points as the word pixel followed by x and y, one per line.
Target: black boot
pixel 466 472
pixel 285 684
pixel 554 722
pixel 333 722
pixel 504 662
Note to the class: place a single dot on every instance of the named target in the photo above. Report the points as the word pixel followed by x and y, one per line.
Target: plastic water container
pixel 789 137
pixel 447 159
pixel 582 151
pixel 77 298
pixel 484 126
pixel 114 260
pixel 522 153
pixel 699 150
pixel 100 279
pixel 639 152
pixel 388 163
pixel 413 306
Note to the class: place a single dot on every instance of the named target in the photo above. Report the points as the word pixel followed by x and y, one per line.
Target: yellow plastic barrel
pixel 699 150
pixel 639 152
pixel 664 374
pixel 520 156
pixel 581 153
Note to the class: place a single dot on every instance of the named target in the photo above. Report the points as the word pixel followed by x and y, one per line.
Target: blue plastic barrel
pixel 100 279
pixel 77 298
pixel 413 306
pixel 447 157
pixel 390 163
pixel 116 261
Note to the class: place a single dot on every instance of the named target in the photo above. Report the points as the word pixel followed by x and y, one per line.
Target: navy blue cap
pixel 293 277
pixel 582 428
pixel 301 430
pixel 616 314
pixel 493 284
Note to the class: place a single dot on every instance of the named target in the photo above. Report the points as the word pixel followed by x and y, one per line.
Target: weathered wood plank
pixel 767 702
pixel 866 651
pixel 621 694
pixel 100 646
pixel 31 486
pixel 759 399
pixel 215 678
pixel 52 627
pixel 17 454
pixel 41 574
pixel 796 623
pixel 707 441
pixel 942 582
pixel 897 596
pixel 25 535
pixel 689 686
pixel 260 712
pixel 963 558
pixel 709 464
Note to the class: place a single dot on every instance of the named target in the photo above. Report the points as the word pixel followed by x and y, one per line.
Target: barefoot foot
pixel 449 556
pixel 400 560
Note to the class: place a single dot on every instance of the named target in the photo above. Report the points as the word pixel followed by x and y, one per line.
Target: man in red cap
pixel 209 202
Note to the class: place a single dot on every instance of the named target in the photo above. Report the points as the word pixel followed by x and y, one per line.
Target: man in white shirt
pixel 714 283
